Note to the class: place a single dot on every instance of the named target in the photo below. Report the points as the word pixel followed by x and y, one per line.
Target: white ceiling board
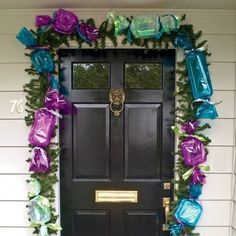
pixel 121 4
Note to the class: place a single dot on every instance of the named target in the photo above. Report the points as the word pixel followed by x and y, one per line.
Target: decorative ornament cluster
pixel 44 102
pixel 40 209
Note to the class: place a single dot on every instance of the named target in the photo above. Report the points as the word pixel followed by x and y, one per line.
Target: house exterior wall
pixel 218 200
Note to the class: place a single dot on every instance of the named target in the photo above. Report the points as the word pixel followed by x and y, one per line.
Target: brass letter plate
pixel 116 196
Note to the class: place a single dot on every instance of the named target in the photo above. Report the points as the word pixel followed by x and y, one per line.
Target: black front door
pixel 129 153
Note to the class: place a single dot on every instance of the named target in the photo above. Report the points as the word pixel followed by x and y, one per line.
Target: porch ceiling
pixel 110 4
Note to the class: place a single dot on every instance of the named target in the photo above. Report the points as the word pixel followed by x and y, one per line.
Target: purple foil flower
pixel 190 126
pixel 87 32
pixel 64 22
pixel 40 163
pixel 42 20
pixel 54 101
pixel 193 151
pixel 198 176
pixel 42 128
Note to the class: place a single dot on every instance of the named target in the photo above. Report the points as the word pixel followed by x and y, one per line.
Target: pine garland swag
pixel 38 86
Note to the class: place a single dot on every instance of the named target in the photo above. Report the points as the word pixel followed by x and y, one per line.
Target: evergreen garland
pixel 36 89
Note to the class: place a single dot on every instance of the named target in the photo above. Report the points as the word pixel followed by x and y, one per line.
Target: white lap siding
pixel 217 199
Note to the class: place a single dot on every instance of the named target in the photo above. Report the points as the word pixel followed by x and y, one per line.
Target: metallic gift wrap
pixel 169 23
pixel 190 126
pixel 54 101
pixel 198 176
pixel 206 111
pixel 43 231
pixel 176 229
pixel 40 162
pixel 195 190
pixel 145 26
pixel 193 151
pixel 26 37
pixel 54 83
pixel 42 60
pixel 198 74
pixel 87 32
pixel 120 22
pixel 188 212
pixel 64 21
pixel 34 187
pixel 183 41
pixel 42 128
pixel 42 20
pixel 39 210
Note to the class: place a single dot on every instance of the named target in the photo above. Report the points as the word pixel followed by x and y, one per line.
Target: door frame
pixel 179 56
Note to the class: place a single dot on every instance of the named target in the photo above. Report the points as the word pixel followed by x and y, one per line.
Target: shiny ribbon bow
pixel 54 101
pixel 207 101
pixel 57 114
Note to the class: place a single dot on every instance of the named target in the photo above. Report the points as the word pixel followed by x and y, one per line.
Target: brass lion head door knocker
pixel 117 99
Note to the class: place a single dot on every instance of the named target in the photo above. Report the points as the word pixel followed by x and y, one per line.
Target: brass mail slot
pixel 116 196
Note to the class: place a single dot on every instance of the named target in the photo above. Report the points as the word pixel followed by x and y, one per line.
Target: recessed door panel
pixel 91 141
pixel 143 141
pixel 91 223
pixel 142 223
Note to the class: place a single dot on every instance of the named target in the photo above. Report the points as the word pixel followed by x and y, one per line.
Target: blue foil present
pixel 26 37
pixel 54 83
pixel 145 26
pixel 176 229
pixel 206 110
pixel 188 212
pixel 195 191
pixel 198 74
pixel 42 61
pixel 183 41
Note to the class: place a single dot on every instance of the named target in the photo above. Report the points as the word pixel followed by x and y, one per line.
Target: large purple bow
pixel 63 21
pixel 54 101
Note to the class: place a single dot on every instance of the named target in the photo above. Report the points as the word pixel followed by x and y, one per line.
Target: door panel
pixel 91 152
pixel 141 223
pixel 142 147
pixel 99 222
pixel 103 152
